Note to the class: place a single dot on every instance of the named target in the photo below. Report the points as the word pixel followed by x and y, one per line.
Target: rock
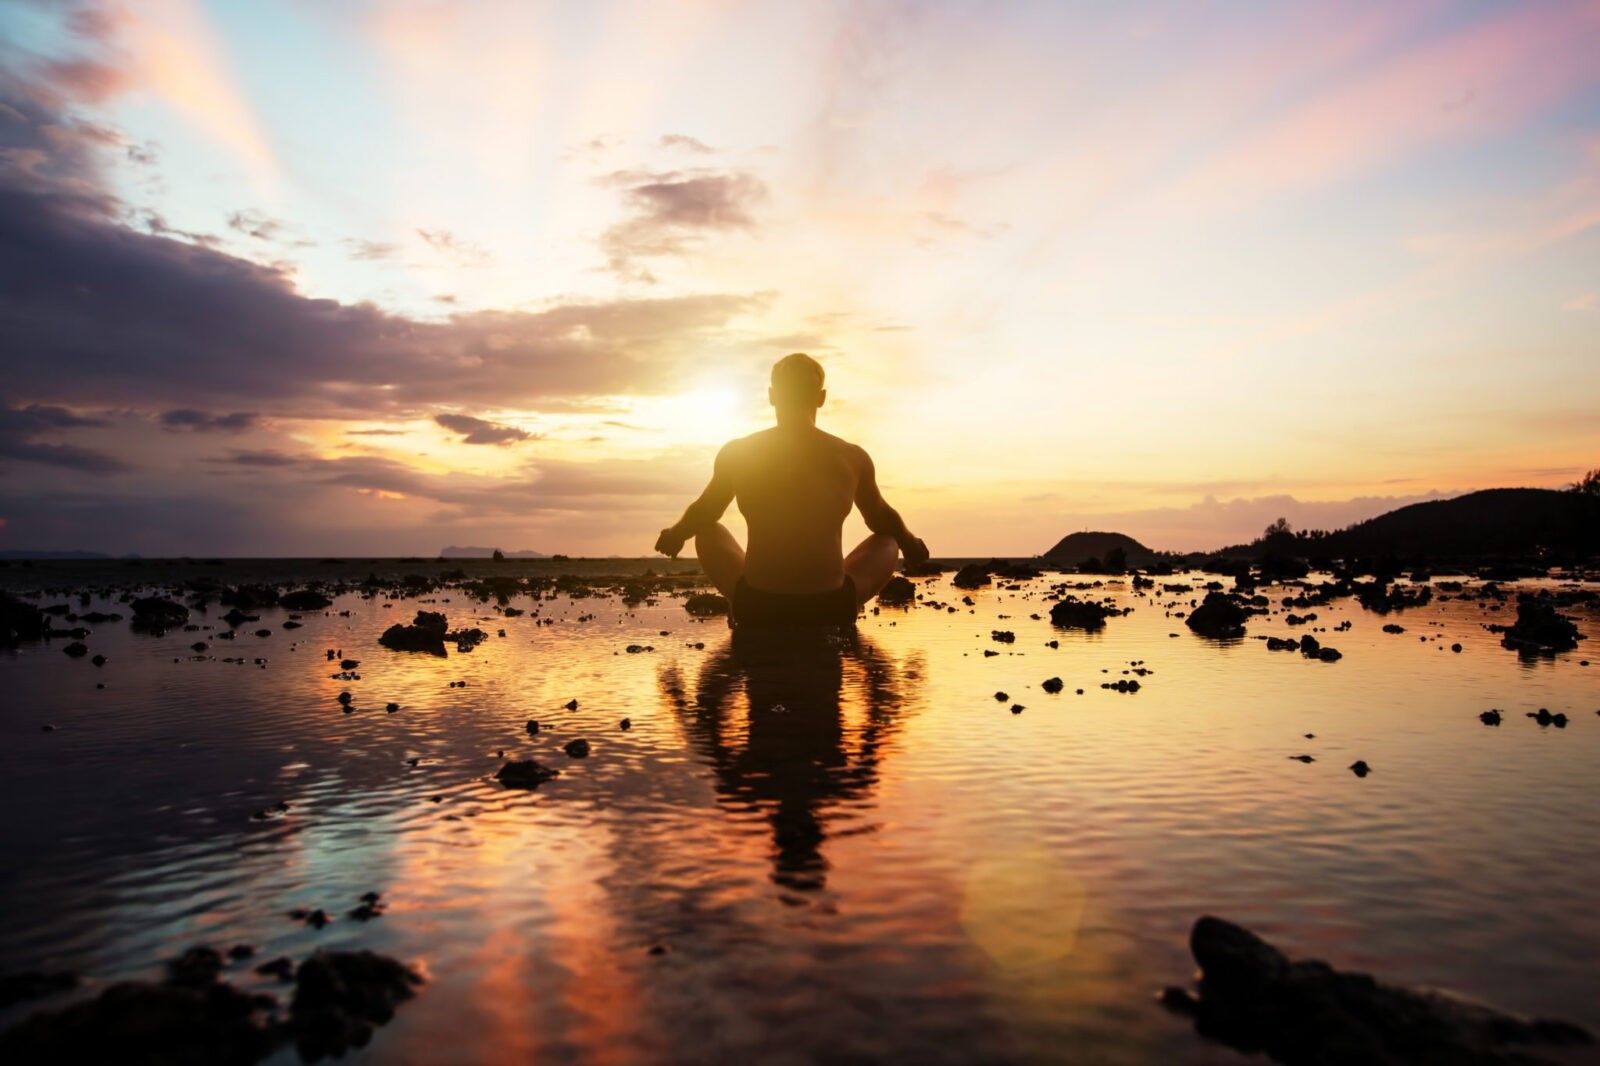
pixel 99 660
pixel 971 576
pixel 18 987
pixel 1126 684
pixel 1303 758
pixel 19 621
pixel 1052 684
pixel 526 773
pixel 236 618
pixel 426 633
pixel 1310 646
pixel 1001 697
pixel 195 968
pixel 1329 655
pixel 1306 1013
pixel 142 1022
pixel 1017 708
pixel 304 600
pixel 281 967
pixel 706 605
pixel 1490 717
pixel 391 707
pixel 1073 613
pixel 571 705
pixel 76 650
pixel 625 725
pixel 1360 768
pixel 577 749
pixel 533 726
pixel 1540 630
pixel 152 614
pixel 1545 718
pixel 340 996
pixel 1217 616
pixel 1392 628
pixel 897 592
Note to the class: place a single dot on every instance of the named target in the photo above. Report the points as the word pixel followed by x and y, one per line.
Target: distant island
pixel 453 552
pixel 25 553
pixel 1079 548
pixel 1498 523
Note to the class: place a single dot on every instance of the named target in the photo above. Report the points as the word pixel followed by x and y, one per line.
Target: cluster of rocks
pixel 192 1016
pixel 1539 629
pixel 1253 998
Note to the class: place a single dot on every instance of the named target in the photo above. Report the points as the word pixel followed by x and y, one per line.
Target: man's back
pixel 795 486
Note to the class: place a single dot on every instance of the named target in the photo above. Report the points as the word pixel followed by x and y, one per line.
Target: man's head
pixel 797 385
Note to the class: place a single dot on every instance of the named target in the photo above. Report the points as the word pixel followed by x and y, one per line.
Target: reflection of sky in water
pixel 845 848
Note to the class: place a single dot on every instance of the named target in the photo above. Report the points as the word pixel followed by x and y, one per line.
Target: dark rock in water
pixel 1217 616
pixel 281 967
pixel 426 633
pixel 525 773
pixel 76 650
pixel 625 725
pixel 99 660
pixel 152 614
pixel 263 632
pixel 1126 684
pixel 1303 758
pixel 577 749
pixel 1079 614
pixel 466 639
pixel 1490 717
pixel 1052 684
pixel 571 705
pixel 19 621
pixel 1456 648
pixel 140 1022
pixel 706 605
pixel 1540 630
pixel 17 987
pixel 1001 697
pixel 1329 655
pixel 340 996
pixel 971 576
pixel 199 645
pixel 1003 636
pixel 195 968
pixel 1545 718
pixel 1282 644
pixel 237 618
pixel 1360 768
pixel 1310 646
pixel 391 707
pixel 897 591
pixel 304 600
pixel 1306 1013
pixel 1392 628
pixel 533 726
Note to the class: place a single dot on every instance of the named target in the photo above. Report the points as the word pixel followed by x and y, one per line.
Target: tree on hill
pixel 1588 484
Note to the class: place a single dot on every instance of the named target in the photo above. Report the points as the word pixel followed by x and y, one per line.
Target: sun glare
pixel 700 416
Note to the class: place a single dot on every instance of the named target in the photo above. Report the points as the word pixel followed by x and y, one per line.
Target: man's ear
pixel 822 397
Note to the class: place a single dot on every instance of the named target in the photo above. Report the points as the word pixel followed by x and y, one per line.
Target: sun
pixel 699 416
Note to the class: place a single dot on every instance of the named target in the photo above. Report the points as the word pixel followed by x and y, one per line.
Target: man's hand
pixel 671 542
pixel 914 550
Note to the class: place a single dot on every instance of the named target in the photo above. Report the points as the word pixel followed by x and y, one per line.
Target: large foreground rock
pixel 1079 614
pixel 1218 616
pixel 425 633
pixel 897 591
pixel 19 621
pixel 340 996
pixel 1540 630
pixel 1254 998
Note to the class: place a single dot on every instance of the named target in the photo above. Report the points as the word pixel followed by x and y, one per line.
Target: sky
pixel 311 278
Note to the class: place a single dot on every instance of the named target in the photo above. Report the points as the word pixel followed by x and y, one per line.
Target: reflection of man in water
pixel 798 755
pixel 795 485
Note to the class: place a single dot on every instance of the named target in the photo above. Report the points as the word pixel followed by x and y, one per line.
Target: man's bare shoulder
pixel 854 454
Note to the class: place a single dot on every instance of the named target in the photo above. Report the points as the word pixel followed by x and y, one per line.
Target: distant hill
pixel 454 552
pixel 26 554
pixel 1490 522
pixel 1076 547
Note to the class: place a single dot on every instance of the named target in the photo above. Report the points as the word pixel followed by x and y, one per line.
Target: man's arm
pixel 880 517
pixel 703 511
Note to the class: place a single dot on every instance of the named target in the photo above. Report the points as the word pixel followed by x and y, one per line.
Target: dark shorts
pixel 755 607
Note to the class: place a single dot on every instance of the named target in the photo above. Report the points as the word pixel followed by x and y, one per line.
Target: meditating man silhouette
pixel 795 485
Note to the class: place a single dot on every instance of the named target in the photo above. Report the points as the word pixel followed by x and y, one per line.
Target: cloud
pixel 19 426
pixel 685 142
pixel 479 431
pixel 462 252
pixel 371 250
pixel 674 210
pixel 264 457
pixel 92 311
pixel 255 224
pixel 189 420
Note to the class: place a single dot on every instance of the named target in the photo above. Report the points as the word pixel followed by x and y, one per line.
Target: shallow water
pixel 849 850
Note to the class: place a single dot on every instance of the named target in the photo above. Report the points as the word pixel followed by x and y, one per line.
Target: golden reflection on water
pixel 841 847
